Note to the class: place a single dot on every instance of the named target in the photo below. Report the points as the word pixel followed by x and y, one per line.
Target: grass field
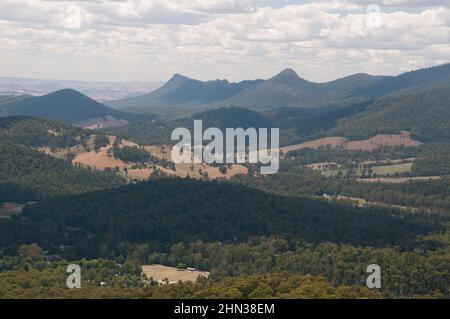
pixel 161 273
pixel 398 180
pixel 389 170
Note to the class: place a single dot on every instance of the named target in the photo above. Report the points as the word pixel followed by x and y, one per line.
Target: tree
pixel 32 252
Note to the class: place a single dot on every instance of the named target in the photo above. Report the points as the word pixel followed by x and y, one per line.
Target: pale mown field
pixel 161 273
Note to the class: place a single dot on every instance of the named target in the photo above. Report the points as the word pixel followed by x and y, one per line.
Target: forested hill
pixel 166 211
pixel 28 175
pixel 36 132
pixel 414 80
pixel 424 113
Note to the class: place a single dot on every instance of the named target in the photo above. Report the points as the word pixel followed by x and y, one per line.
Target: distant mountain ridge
pixel 68 106
pixel 183 91
pixel 285 89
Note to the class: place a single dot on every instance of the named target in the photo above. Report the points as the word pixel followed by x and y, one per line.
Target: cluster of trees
pixel 132 154
pixel 100 141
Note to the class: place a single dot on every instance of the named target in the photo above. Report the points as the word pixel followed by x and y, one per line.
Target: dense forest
pixel 169 210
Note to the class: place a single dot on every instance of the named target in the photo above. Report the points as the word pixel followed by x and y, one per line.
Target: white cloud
pixel 407 3
pixel 151 39
pixel 221 6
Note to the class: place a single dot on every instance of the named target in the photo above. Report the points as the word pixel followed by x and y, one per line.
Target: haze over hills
pixel 99 91
pixel 68 106
pixel 286 89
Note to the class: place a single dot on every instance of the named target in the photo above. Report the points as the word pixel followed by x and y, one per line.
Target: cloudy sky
pixel 149 40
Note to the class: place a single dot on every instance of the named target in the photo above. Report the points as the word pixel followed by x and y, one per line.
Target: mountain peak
pixel 287 75
pixel 66 92
pixel 289 72
pixel 178 77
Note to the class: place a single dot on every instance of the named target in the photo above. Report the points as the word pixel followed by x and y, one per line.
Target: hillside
pixel 68 106
pixel 424 113
pixel 286 89
pixel 424 78
pixel 7 99
pixel 98 151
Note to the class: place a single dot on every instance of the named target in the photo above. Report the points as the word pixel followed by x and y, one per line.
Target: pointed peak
pixel 289 72
pixel 288 76
pixel 179 77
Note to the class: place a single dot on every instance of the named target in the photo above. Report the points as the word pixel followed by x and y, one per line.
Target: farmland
pixel 382 140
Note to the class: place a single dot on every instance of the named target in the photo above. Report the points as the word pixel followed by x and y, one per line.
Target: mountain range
pixel 286 89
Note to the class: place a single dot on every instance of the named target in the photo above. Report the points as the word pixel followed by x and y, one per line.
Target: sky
pixel 150 40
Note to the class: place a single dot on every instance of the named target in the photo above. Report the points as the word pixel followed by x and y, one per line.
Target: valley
pixel 358 183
